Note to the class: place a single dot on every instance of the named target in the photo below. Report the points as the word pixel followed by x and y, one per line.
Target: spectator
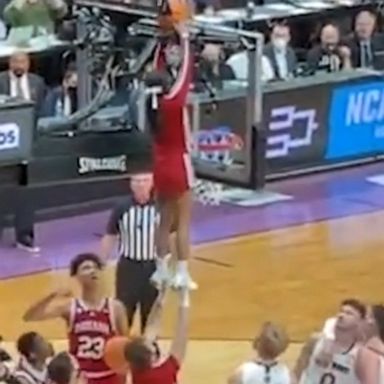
pixel 330 55
pixel 239 63
pixel 40 14
pixel 62 100
pixel 212 67
pixel 208 7
pixel 367 47
pixel 282 58
pixel 18 82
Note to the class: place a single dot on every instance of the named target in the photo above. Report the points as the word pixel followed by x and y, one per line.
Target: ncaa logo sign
pixel 9 136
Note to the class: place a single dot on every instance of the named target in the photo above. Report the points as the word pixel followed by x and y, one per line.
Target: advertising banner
pixel 16 133
pixel 296 128
pixel 356 121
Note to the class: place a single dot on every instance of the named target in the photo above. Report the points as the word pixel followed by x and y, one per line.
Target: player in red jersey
pixel 173 172
pixel 92 319
pixel 146 363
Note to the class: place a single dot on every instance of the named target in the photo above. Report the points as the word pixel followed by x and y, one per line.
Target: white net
pixel 208 192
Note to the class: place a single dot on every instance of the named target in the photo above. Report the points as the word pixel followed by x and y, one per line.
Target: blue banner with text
pixel 356 121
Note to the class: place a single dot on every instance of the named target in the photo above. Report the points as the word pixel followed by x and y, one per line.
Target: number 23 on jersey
pixel 93 348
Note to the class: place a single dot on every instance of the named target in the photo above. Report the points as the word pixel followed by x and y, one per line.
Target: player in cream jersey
pixel 371 334
pixel 348 360
pixel 265 367
pixel 259 372
pixel 341 369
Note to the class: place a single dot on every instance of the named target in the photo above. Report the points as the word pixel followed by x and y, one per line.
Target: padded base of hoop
pixel 248 198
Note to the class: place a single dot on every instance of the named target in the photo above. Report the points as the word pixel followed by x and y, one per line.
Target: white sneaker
pixel 183 280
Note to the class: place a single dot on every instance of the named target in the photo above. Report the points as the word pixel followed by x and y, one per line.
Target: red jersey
pixel 172 141
pixel 165 373
pixel 89 330
pixel 174 134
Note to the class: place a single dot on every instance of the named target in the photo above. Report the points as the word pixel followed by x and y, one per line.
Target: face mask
pixel 18 72
pixel 280 44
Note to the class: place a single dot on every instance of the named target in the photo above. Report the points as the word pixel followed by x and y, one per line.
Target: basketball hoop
pixel 208 192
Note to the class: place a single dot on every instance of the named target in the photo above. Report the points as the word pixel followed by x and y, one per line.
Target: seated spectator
pixel 239 64
pixel 208 7
pixel 330 55
pixel 367 47
pixel 3 27
pixel 282 58
pixel 212 68
pixel 18 82
pixel 40 14
pixel 62 100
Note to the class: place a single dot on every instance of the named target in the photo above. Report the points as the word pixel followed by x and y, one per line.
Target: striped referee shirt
pixel 135 224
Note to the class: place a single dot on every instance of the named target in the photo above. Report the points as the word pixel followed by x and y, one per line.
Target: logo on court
pixel 285 123
pixel 9 136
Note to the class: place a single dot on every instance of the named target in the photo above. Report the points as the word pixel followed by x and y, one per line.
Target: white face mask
pixel 280 43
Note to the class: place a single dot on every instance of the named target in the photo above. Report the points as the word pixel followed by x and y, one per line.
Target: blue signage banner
pixel 356 121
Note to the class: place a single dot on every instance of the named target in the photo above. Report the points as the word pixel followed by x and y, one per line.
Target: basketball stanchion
pixel 258 158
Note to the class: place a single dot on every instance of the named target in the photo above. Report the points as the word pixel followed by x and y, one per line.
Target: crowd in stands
pixel 333 50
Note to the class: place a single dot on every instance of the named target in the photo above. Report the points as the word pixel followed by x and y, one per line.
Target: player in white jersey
pixel 372 334
pixel 350 362
pixel 264 367
pixel 34 352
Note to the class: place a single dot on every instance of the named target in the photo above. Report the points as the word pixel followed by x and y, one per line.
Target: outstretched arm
pixel 305 355
pixel 180 89
pixel 180 339
pixel 42 310
pixel 154 319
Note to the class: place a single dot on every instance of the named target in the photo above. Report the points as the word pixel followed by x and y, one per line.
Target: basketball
pixel 173 12
pixel 180 11
pixel 114 354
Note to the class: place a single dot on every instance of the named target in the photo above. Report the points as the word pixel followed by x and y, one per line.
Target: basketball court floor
pixel 291 261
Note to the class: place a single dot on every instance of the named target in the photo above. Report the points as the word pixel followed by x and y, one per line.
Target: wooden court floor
pixel 296 276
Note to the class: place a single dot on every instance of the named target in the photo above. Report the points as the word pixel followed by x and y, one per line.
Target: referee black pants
pixel 134 289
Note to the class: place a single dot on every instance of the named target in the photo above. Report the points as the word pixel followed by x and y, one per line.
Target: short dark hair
pixel 137 354
pixel 330 24
pixel 82 258
pixel 370 12
pixel 60 368
pixel 378 315
pixel 357 305
pixel 26 343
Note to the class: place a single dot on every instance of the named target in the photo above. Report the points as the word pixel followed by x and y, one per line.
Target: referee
pixel 132 224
